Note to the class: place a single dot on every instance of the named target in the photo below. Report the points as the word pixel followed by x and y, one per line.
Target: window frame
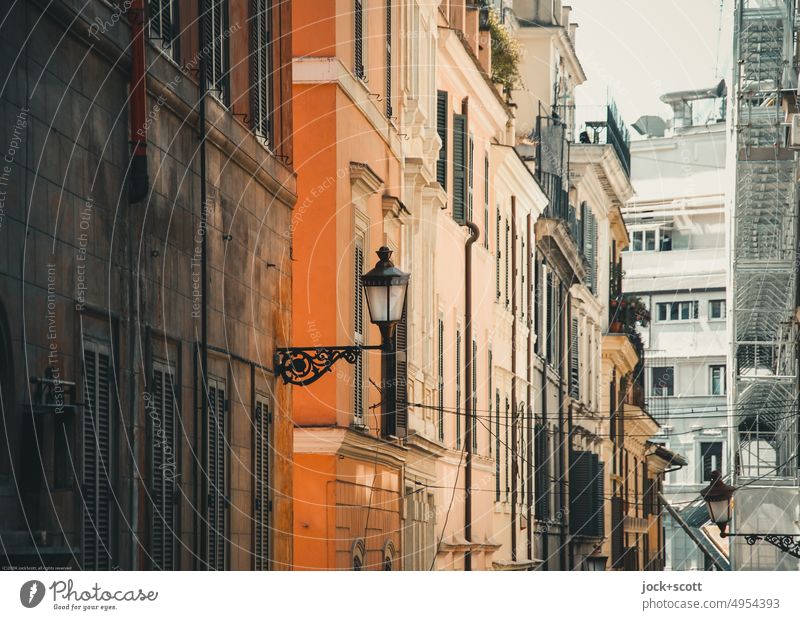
pixel 722 377
pixel 653 387
pixel 723 306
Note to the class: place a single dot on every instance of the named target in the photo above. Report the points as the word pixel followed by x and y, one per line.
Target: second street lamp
pixel 385 287
pixel 719 501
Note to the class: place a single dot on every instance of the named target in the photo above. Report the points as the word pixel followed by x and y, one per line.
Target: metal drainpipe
pixel 514 412
pixel 546 465
pixel 138 188
pixel 564 490
pixel 470 359
pixel 529 412
pixel 203 288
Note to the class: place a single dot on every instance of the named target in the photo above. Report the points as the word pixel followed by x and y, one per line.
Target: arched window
pixel 388 556
pixel 359 551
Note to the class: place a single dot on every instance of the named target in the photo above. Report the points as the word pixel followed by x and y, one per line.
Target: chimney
pixel 565 11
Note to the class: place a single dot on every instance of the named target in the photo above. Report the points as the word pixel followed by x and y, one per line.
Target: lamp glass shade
pixel 385 302
pixel 719 510
pixel 385 287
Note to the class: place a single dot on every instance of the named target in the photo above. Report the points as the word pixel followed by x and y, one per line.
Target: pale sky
pixel 637 50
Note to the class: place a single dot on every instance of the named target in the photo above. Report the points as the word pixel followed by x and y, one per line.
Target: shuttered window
pixel 508 262
pixel 497 446
pixel 262 420
pixel 486 201
pixel 163 467
pixel 474 420
pixel 216 472
pixel 470 178
pixel 163 24
pixel 214 24
pixel 388 58
pixel 261 69
pixel 458 388
pixel 541 473
pixel 358 39
pixel 574 361
pixel 441 128
pixel 586 495
pixel 590 248
pixel 460 163
pixel 358 333
pixel 441 380
pixel 507 447
pixel 489 400
pixel 96 486
pixel 401 374
pixel 498 254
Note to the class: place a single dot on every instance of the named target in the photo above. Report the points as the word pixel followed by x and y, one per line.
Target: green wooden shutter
pixel 261 484
pixel 581 492
pixel 470 178
pixel 97 468
pixel 441 128
pixel 599 496
pixel 574 361
pixel 541 473
pixel 460 164
pixel 358 334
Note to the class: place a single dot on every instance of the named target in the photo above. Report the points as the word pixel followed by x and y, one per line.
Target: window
pixel 716 309
pixel 460 165
pixel 215 471
pixel 489 399
pixel 97 464
pixel 497 254
pixel 711 457
pixel 401 374
pixel 663 381
pixel 441 380
pixel 497 446
pixel 441 129
pixel 388 556
pixel 358 334
pixel 508 260
pixel 358 39
pixel 574 362
pixel 161 408
pixel 717 373
pixel 507 446
pixel 654 239
pixel 261 68
pixel 163 24
pixel 261 483
pixel 388 58
pixel 486 201
pixel 589 225
pixel 470 178
pixel 677 310
pixel 359 551
pixel 215 24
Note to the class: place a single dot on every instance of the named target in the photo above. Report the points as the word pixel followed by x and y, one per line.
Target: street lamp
pixel 385 287
pixel 718 497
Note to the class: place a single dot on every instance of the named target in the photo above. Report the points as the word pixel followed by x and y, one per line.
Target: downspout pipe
pixel 138 181
pixel 470 359
pixel 529 411
pixel 514 411
pixel 201 22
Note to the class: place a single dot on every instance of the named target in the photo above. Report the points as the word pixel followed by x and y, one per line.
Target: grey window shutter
pixel 541 473
pixel 508 261
pixel 261 68
pixel 358 39
pixel 460 164
pixel 599 496
pixel 162 21
pixel 441 128
pixel 214 23
pixel 261 474
pixel 470 178
pixel 401 374
pixel 163 462
pixel 507 447
pixel 574 361
pixel 217 500
pixel 581 494
pixel 97 465
pixel 498 254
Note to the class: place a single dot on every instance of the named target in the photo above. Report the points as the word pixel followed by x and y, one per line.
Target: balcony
pixel 604 125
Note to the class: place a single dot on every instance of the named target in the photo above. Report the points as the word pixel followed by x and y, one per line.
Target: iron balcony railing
pixel 604 125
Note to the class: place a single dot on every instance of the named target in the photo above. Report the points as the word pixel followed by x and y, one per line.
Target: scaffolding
pixel 764 275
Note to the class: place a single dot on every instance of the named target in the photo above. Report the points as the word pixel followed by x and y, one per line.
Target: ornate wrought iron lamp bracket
pixel 304 365
pixel 788 543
